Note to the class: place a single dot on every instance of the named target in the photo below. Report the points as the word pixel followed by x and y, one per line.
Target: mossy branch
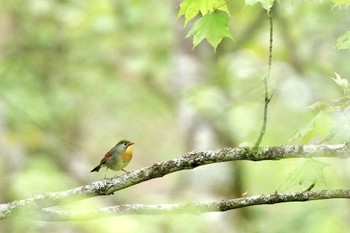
pixel 194 207
pixel 188 161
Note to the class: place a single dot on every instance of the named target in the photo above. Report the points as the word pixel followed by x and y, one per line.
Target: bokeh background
pixel 77 76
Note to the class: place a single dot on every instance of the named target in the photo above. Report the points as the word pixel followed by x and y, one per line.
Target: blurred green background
pixel 78 76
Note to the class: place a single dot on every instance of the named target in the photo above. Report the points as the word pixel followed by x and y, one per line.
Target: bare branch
pixel 194 207
pixel 188 161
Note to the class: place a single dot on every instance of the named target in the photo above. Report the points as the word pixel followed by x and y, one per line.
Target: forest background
pixel 77 76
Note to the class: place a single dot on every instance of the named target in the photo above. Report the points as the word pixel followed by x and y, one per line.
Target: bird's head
pixel 125 145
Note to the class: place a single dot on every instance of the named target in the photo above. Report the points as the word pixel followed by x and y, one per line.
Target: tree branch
pixel 188 161
pixel 194 207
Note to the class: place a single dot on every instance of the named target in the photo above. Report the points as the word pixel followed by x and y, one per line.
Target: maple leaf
pixel 190 8
pixel 212 27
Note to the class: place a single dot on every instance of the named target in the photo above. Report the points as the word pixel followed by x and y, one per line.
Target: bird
pixel 116 158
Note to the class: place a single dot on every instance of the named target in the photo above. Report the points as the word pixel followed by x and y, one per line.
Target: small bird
pixel 116 158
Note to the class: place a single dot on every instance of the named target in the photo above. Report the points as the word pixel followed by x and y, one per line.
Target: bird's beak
pixel 132 143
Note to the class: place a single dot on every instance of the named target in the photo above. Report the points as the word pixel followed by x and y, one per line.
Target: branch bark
pixel 194 207
pixel 188 161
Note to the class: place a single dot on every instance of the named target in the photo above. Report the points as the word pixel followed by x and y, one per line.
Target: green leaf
pixel 343 42
pixel 190 8
pixel 321 125
pixel 266 4
pixel 213 27
pixel 307 173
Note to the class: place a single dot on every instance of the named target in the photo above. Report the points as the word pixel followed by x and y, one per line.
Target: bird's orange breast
pixel 127 154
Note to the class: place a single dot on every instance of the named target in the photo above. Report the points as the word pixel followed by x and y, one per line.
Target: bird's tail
pixel 96 169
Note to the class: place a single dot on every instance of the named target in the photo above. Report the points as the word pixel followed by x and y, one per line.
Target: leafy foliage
pixel 213 27
pixel 307 173
pixel 322 124
pixel 343 42
pixel 191 8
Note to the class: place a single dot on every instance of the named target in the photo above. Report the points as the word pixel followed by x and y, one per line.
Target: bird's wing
pixel 105 158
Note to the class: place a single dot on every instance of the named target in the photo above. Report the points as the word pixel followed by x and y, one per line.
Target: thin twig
pixel 267 97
